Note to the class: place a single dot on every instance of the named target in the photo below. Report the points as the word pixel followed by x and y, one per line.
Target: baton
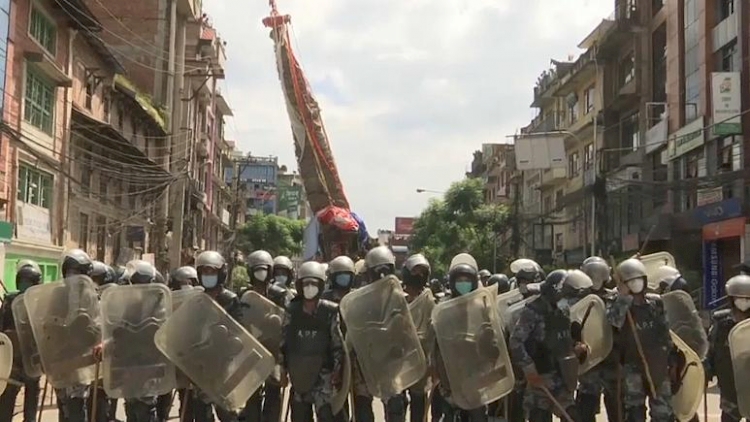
pixel 96 393
pixel 188 397
pixel 563 413
pixel 639 347
pixel 44 394
pixel 11 381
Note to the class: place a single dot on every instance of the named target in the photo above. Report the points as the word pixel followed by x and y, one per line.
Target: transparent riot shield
pixel 338 400
pixel 493 289
pixel 692 382
pixel 380 327
pixel 468 330
pixel 421 313
pixel 66 323
pixel 739 347
pixel 513 312
pixel 505 300
pixel 132 366
pixel 653 262
pixel 685 321
pixel 262 318
pixel 6 361
pixel 591 313
pixel 179 296
pixel 223 360
pixel 32 363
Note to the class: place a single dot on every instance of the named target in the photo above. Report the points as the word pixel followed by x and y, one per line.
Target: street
pixel 50 409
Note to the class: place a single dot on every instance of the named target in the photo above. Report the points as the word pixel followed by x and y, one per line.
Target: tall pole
pixel 235 216
pixel 594 171
pixel 515 239
pixel 180 157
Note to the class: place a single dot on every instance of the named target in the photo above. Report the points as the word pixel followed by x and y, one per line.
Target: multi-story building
pixel 36 121
pixel 497 173
pixel 291 195
pixel 258 183
pixel 173 52
pixel 707 91
pixel 117 155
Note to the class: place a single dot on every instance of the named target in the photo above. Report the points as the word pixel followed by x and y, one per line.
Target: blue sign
pixel 713 283
pixel 719 211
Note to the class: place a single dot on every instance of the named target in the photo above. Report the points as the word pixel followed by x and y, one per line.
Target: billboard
pixel 540 151
pixel 727 108
pixel 404 225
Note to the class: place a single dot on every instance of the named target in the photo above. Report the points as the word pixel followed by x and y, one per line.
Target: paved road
pixel 50 412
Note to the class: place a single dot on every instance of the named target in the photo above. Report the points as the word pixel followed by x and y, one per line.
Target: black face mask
pixel 24 285
pixel 415 280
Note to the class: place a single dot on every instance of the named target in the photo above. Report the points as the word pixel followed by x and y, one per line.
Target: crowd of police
pixel 332 337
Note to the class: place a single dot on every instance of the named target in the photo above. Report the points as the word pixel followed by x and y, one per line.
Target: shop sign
pixel 719 211
pixel 688 138
pixel 713 285
pixel 727 109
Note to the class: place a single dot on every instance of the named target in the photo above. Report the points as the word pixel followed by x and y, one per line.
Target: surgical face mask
pixel 210 281
pixel 742 303
pixel 636 285
pixel 310 291
pixel 563 304
pixel 187 286
pixel 281 279
pixel 463 286
pixel 343 280
pixel 260 274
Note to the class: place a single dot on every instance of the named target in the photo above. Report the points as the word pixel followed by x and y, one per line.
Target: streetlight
pixel 420 190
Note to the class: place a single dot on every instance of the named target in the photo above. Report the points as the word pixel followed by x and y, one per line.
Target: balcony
pixel 589 177
pixel 550 177
pixel 582 70
pixel 547 123
pixel 725 31
pixel 190 8
pixel 625 21
pixel 624 95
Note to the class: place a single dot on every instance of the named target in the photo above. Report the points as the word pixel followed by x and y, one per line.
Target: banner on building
pixel 404 225
pixel 713 285
pixel 727 108
pixel 289 197
pixel 540 151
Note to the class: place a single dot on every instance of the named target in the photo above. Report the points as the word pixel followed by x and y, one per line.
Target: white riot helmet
pixel 310 280
pixel 211 268
pixel 598 269
pixel 633 273
pixel 380 262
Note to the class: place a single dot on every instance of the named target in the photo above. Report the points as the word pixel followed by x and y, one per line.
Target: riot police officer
pixel 183 278
pixel 265 404
pixel 636 313
pixel 379 263
pixel 669 279
pixel 283 271
pixel 102 274
pixel 415 274
pixel 719 360
pixel 212 274
pixel 484 276
pixel 527 272
pixel 602 379
pixel 312 347
pixel 26 276
pixel 340 278
pixel 71 401
pixel 503 284
pixel 542 344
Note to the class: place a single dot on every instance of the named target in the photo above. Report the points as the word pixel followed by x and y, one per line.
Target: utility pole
pixel 515 239
pixel 237 190
pixel 179 154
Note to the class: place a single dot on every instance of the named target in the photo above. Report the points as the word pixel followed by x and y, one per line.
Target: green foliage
pixel 460 222
pixel 240 279
pixel 277 235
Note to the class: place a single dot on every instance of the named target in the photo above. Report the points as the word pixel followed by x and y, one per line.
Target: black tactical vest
pixel 308 343
pixel 558 339
pixel 653 335
pixel 723 323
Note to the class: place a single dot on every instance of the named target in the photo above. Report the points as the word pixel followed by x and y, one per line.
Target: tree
pixel 460 222
pixel 277 235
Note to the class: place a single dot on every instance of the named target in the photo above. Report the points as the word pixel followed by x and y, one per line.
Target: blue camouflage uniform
pixel 602 379
pixel 653 331
pixel 541 342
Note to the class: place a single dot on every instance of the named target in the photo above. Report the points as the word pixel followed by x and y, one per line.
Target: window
pixel 725 155
pixel 89 92
pixel 4 26
pixel 656 6
pixel 574 164
pixel 725 9
pixel 588 156
pixel 103 186
pixel 83 239
pixel 559 199
pixel 120 119
pixel 34 186
pixel 727 59
pixel 43 29
pixel 691 60
pixel 573 112
pixel 547 204
pixel 627 69
pixel 39 102
pixel 589 99
pixel 101 238
pixel 631 132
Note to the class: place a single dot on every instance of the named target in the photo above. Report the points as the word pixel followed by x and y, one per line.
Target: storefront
pixel 723 237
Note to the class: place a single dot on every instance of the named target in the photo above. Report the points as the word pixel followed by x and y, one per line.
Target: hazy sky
pixel 408 88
